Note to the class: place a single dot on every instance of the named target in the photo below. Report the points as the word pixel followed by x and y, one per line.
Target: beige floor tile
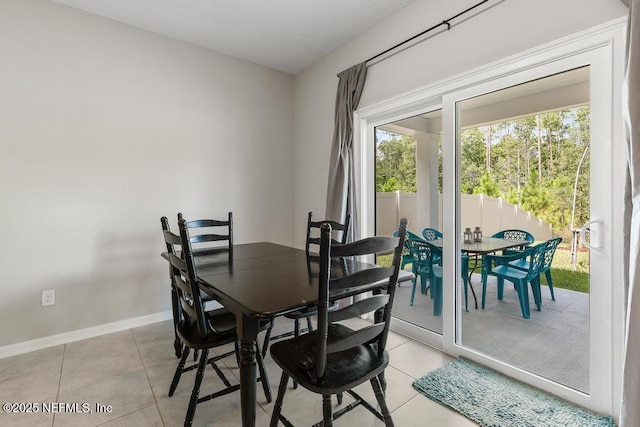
pixel 154 332
pixel 126 393
pixel 34 361
pixel 222 411
pixel 41 418
pixel 32 388
pixel 399 389
pixel 420 411
pixel 147 417
pixel 98 346
pixel 415 359
pixel 157 352
pixel 81 373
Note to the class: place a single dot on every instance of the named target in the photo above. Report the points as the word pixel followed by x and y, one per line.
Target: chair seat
pixel 187 330
pixel 521 264
pixel 345 369
pixel 509 272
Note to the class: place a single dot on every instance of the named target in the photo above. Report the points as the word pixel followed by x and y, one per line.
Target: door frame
pixel 602 46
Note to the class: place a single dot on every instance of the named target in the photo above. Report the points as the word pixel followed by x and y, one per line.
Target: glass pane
pixel 524 165
pixel 408 184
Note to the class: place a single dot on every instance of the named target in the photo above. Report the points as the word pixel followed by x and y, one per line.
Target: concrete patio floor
pixel 553 343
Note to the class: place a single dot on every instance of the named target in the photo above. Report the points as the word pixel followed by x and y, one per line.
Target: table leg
pixel 247 329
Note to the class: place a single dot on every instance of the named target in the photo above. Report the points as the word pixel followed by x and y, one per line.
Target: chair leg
pixel 327 416
pixel 264 379
pixel 436 291
pixel 175 306
pixel 191 410
pixel 377 390
pixel 523 297
pixel 178 374
pixel 537 294
pixel 423 285
pixel 267 338
pixel 383 382
pixel 484 287
pixel 465 280
pixel 550 283
pixel 500 288
pixel 296 334
pixel 413 290
pixel 277 407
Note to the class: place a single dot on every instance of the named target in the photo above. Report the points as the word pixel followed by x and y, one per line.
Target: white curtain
pixel 630 407
pixel 341 192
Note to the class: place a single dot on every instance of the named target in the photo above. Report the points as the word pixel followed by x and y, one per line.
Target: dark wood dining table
pixel 479 250
pixel 259 282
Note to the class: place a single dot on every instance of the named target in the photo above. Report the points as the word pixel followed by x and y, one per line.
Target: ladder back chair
pixel 313 239
pixel 204 236
pixel 197 328
pixel 335 358
pixel 313 232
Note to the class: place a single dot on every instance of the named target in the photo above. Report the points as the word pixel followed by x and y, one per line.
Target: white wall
pixel 509 27
pixel 105 128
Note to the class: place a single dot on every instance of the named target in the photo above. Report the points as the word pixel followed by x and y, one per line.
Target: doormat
pixel 492 399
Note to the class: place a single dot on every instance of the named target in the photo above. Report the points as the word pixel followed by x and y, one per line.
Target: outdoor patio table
pixel 481 249
pixel 263 280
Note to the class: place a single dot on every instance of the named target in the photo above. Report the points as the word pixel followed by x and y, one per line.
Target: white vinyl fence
pixel 489 213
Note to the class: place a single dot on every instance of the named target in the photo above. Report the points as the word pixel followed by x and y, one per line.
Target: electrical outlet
pixel 48 297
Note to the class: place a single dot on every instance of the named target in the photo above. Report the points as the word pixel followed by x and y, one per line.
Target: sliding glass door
pixel 526 145
pixel 530 153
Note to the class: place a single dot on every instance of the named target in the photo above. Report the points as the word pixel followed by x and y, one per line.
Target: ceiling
pixel 287 35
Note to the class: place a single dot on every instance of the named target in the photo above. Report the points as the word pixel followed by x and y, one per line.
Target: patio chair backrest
pixel 549 252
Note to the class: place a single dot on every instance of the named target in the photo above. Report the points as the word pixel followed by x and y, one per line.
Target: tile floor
pixel 131 371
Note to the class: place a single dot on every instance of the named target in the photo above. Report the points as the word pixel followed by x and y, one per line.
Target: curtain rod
pixel 445 22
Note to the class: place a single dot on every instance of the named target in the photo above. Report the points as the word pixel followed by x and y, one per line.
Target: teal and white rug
pixel 492 399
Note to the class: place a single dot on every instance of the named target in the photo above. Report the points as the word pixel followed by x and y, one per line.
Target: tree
pixel 487 186
pixel 396 164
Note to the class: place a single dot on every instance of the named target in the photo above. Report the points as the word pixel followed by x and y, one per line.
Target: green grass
pixel 562 272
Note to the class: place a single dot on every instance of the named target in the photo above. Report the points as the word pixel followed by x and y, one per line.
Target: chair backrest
pixel 410 235
pixel 184 275
pixel 549 252
pixel 209 232
pixel 381 280
pixel 431 234
pixel 515 234
pixel 422 254
pixel 536 259
pixel 313 233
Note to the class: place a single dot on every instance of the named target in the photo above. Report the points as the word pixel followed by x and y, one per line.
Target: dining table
pixel 479 250
pixel 258 282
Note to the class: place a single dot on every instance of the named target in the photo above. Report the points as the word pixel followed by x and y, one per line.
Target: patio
pixel 553 343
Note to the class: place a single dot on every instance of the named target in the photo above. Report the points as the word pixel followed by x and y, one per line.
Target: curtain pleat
pixel 630 404
pixel 341 191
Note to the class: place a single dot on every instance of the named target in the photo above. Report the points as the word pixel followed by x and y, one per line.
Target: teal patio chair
pixel 431 234
pixel 498 266
pixel 515 234
pixel 407 258
pixel 436 252
pixel 549 252
pixel 424 267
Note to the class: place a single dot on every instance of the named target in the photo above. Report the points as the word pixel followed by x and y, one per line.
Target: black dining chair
pixel 205 237
pixel 335 358
pixel 312 242
pixel 205 234
pixel 197 328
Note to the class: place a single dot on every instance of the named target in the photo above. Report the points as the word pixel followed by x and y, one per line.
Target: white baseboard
pixel 80 334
